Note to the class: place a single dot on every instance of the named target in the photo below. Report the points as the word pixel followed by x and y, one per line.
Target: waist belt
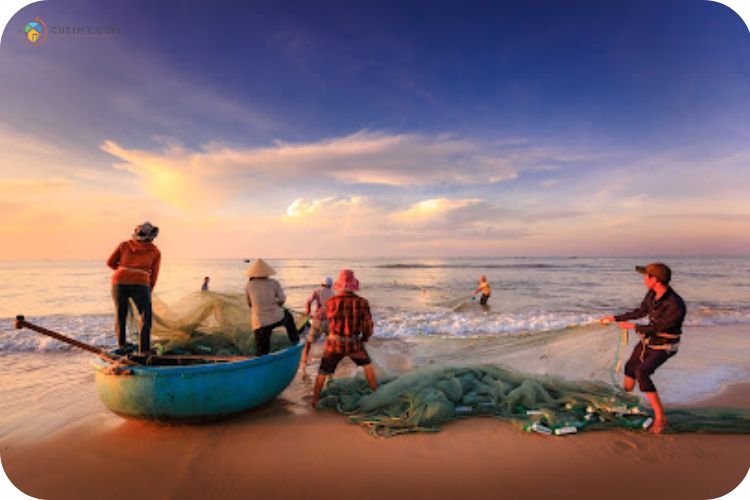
pixel 670 347
pixel 134 270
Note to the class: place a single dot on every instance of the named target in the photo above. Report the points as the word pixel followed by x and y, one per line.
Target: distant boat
pixel 247 260
pixel 195 392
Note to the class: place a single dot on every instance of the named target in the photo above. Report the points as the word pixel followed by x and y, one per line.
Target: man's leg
pixel 651 361
pixel 121 314
pixel 370 375
pixel 628 384
pixel 263 340
pixel 142 298
pixel 315 330
pixel 291 328
pixel 328 364
pixel 660 421
pixel 319 381
pixel 631 367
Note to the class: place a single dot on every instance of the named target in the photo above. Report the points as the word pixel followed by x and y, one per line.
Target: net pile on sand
pixel 426 398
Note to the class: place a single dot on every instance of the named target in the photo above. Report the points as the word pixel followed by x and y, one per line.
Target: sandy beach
pixel 283 450
pixel 58 441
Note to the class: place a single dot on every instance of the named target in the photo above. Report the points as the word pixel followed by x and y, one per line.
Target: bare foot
pixel 657 427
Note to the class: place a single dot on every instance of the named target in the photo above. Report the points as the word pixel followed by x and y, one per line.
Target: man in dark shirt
pixel 660 338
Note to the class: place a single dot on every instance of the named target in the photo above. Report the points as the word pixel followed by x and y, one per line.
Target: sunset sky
pixel 363 129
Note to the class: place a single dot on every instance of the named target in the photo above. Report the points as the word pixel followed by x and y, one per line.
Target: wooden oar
pixel 22 323
pixel 133 359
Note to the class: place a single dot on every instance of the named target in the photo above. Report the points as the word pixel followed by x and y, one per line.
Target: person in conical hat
pixel 349 327
pixel 318 319
pixel 266 298
pixel 259 269
pixel 136 263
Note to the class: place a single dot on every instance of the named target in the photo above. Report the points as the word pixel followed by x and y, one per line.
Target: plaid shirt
pixel 349 323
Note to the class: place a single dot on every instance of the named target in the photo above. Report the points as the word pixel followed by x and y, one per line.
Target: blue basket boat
pixel 195 392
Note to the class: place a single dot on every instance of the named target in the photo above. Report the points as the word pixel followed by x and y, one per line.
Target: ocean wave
pixel 473 266
pixel 391 322
pixel 470 324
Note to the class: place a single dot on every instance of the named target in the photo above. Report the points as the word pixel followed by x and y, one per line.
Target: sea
pixel 541 318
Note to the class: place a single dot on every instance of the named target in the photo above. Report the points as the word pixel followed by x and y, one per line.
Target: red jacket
pixel 135 263
pixel 349 323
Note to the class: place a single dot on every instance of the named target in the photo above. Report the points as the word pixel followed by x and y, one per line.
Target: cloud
pixel 219 172
pixel 303 209
pixel 216 172
pixel 439 211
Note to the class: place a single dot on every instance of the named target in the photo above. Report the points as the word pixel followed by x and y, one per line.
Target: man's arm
pixel 639 312
pixel 309 302
pixel 155 269
pixel 114 259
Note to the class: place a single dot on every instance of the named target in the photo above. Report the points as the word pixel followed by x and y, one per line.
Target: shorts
pixel 317 329
pixel 331 360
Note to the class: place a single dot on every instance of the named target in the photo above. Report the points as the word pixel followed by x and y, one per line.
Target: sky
pixel 376 129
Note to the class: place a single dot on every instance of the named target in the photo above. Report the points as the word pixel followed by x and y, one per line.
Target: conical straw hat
pixel 259 269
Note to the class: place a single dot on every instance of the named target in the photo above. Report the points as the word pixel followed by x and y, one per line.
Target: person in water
pixel 136 263
pixel 660 338
pixel 266 298
pixel 204 286
pixel 484 287
pixel 319 321
pixel 349 328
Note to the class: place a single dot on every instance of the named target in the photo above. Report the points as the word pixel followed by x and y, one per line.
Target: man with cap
pixel 136 263
pixel 319 321
pixel 349 327
pixel 660 338
pixel 265 298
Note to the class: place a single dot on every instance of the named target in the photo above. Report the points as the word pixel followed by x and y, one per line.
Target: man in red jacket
pixel 136 264
pixel 349 327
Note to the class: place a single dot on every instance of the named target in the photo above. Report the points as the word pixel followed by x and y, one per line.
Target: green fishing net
pixel 425 398
pixel 209 323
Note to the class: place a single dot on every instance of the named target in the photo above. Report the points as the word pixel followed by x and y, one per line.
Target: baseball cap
pixel 660 271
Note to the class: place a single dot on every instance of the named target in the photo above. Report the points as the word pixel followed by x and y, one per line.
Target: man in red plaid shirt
pixel 349 327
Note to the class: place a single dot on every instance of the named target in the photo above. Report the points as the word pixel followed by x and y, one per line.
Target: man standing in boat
pixel 265 298
pixel 660 338
pixel 349 327
pixel 136 263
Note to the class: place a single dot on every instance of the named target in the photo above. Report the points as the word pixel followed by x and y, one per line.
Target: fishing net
pixel 553 382
pixel 425 398
pixel 207 323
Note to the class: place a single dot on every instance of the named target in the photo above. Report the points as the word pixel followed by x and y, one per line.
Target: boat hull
pixel 196 392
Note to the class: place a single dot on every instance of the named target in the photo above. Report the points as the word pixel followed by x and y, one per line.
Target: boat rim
pixel 101 364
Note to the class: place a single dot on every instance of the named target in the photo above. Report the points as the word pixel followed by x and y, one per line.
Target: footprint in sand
pixel 623 445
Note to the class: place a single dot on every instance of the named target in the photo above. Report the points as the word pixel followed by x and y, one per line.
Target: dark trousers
pixel 141 295
pixel 263 334
pixel 641 370
pixel 483 299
